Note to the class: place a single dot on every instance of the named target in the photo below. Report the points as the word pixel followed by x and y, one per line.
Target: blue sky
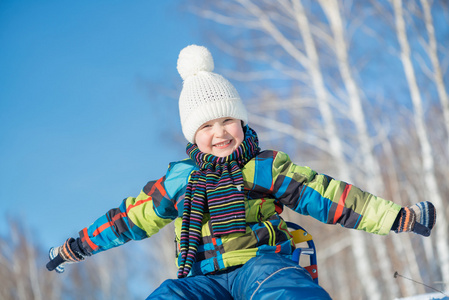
pixel 79 128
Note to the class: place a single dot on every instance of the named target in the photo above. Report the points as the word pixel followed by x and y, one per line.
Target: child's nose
pixel 220 130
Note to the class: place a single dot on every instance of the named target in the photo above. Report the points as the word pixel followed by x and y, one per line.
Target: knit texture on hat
pixel 205 95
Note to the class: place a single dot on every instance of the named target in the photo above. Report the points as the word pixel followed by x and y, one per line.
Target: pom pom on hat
pixel 193 59
pixel 205 95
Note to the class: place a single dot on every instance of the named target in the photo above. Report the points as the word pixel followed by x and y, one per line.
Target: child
pixel 226 200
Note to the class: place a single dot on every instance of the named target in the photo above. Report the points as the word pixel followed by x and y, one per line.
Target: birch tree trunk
pixel 33 271
pixel 370 164
pixel 359 242
pixel 322 95
pixel 432 52
pixel 409 258
pixel 428 165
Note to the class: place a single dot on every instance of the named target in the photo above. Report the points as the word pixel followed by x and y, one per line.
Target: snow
pixel 427 296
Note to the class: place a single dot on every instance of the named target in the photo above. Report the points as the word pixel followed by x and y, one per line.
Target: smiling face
pixel 220 137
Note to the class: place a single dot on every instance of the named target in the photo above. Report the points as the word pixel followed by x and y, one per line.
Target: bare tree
pixel 24 276
pixel 330 115
pixel 432 51
pixel 428 164
pixel 20 274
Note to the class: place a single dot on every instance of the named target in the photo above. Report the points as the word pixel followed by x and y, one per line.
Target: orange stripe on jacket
pixel 109 224
pixel 138 203
pixel 341 203
pixel 87 239
pixel 159 186
pixel 278 249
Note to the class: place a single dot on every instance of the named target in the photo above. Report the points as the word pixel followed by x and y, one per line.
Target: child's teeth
pixel 222 144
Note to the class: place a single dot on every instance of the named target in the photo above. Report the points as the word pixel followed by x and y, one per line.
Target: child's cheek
pixel 202 143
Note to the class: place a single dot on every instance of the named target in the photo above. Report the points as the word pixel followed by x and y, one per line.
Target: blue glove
pixel 69 252
pixel 419 218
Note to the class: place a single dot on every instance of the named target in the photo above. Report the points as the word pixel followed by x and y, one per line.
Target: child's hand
pixel 62 255
pixel 419 218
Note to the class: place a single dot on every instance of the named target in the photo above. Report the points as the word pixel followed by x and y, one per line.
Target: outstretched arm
pixel 135 219
pixel 337 202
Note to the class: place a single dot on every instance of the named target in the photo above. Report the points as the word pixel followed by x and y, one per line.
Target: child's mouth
pixel 222 145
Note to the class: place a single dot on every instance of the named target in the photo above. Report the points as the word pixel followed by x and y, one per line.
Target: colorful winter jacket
pixel 271 181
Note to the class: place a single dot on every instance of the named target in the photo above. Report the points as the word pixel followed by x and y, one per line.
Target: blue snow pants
pixel 270 276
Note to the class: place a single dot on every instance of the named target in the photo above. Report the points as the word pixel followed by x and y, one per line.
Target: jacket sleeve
pixel 328 200
pixel 140 217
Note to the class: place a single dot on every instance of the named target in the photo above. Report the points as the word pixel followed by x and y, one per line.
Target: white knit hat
pixel 205 95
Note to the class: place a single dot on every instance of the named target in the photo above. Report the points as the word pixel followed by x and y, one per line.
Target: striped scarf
pixel 217 187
